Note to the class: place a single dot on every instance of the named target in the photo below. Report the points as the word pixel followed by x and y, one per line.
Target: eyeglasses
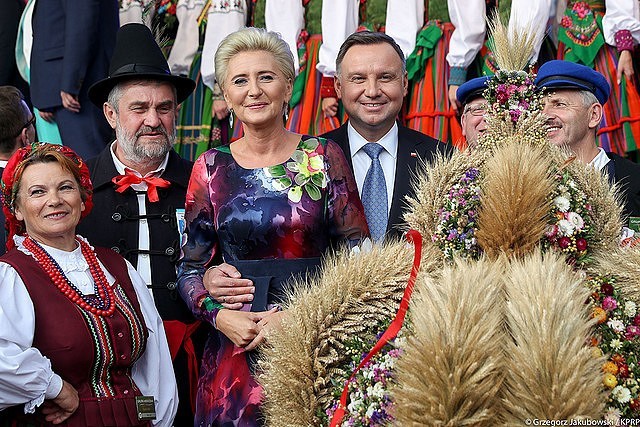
pixel 476 109
pixel 31 121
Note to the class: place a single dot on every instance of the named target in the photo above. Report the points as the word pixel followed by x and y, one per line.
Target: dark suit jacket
pixel 9 22
pixel 627 174
pixel 73 41
pixel 409 141
pixel 114 220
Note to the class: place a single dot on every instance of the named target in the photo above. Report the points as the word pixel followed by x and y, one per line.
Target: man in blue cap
pixel 470 95
pixel 573 103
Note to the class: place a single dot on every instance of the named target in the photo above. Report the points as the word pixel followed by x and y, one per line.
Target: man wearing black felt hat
pixel 574 96
pixel 140 185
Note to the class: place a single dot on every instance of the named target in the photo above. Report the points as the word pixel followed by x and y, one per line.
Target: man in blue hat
pixel 573 103
pixel 470 95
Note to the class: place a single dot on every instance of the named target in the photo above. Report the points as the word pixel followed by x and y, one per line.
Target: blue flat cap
pixel 471 89
pixel 569 75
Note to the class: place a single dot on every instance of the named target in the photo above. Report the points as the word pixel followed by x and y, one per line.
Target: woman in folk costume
pixel 602 34
pixel 81 343
pixel 264 208
pixel 509 242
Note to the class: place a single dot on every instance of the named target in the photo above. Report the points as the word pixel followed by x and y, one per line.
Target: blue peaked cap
pixel 471 89
pixel 569 75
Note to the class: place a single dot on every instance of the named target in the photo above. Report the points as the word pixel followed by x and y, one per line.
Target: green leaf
pixel 301 179
pixel 282 183
pixel 318 179
pixel 297 156
pixel 295 194
pixel 313 191
pixel 309 144
pixel 293 166
pixel 276 171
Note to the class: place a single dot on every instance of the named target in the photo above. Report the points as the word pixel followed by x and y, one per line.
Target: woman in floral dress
pixel 258 211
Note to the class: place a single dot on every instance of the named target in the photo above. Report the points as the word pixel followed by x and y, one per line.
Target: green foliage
pixel 258 14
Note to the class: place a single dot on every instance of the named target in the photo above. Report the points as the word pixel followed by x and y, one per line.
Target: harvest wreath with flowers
pixel 520 303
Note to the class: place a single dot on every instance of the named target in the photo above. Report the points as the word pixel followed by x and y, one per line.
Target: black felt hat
pixel 138 56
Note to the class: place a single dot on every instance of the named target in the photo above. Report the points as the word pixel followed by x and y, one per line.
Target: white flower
pixel 576 220
pixel 616 325
pixel 621 394
pixel 378 390
pixel 370 410
pixel 469 243
pixel 566 227
pixel 616 344
pixel 612 415
pixel 562 203
pixel 630 308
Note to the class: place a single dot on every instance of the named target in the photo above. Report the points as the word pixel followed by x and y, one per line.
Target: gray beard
pixel 141 153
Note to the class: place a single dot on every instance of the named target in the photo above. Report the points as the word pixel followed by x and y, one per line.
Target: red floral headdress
pixel 13 174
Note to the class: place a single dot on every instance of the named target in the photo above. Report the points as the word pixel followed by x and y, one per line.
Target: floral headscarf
pixel 13 174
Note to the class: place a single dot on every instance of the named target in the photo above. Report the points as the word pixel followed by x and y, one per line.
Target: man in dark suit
pixel 573 100
pixel 16 130
pixel 72 44
pixel 9 22
pixel 140 185
pixel 371 80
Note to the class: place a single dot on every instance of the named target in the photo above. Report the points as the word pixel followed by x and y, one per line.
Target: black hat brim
pixel 99 91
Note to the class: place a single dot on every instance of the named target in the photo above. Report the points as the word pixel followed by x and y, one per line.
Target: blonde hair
pixel 252 39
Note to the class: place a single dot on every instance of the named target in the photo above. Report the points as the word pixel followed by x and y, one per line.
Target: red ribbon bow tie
pixel 129 178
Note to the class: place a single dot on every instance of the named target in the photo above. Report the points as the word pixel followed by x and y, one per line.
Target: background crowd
pixel 303 143
pixel 445 44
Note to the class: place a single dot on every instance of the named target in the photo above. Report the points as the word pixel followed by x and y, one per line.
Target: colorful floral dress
pixel 297 209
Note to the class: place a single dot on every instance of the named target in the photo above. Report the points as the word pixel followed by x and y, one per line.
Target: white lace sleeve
pixel 621 15
pixel 25 374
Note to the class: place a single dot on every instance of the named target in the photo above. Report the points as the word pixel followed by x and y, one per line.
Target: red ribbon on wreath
pixel 414 237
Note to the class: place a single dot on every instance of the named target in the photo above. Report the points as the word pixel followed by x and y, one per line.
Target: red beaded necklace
pixel 102 303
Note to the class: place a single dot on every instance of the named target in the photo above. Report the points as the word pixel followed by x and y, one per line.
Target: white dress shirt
pixel 600 161
pixel 144 260
pixel 362 162
pixel 26 377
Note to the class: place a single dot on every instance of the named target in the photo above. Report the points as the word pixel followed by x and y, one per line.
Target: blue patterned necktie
pixel 374 193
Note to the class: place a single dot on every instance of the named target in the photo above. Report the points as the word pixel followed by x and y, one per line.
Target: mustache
pixel 148 129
